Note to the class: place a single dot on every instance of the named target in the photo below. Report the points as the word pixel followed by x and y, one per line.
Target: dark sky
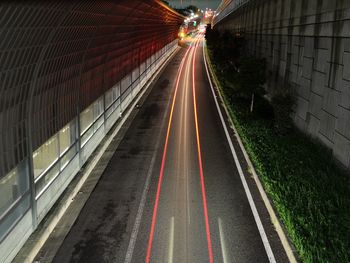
pixel 213 4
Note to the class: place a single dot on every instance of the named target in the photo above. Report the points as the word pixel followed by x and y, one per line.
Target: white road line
pixel 171 241
pixel 257 219
pixel 186 158
pixel 222 241
pixel 136 227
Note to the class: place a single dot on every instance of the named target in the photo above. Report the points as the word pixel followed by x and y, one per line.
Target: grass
pixel 308 188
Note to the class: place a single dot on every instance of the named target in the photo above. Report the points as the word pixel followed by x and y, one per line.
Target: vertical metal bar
pixel 77 134
pixel 31 176
pixel 30 110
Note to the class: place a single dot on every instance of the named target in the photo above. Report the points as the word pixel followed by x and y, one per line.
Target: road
pixel 172 191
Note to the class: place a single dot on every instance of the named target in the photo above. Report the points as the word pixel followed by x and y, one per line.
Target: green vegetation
pixel 308 188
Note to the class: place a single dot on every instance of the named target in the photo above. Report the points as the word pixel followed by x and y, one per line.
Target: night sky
pixel 213 4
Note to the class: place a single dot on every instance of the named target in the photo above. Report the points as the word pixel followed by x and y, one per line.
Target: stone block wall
pixel 307 46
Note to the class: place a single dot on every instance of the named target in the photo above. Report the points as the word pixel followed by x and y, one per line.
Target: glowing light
pixel 182 34
pixel 161 173
pixel 204 198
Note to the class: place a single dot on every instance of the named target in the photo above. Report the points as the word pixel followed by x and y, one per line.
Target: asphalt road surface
pixel 172 191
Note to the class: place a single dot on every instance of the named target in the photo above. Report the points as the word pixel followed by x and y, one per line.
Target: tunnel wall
pixel 307 47
pixel 68 70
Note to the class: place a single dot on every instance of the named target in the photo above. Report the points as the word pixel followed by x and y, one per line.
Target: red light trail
pixel 201 173
pixel 161 173
pixel 204 197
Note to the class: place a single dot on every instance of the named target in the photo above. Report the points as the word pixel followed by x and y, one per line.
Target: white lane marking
pixel 222 241
pixel 257 219
pixel 171 240
pixel 186 158
pixel 136 227
pixel 274 218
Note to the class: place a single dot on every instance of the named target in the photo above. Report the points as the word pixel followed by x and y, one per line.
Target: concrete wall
pixel 307 46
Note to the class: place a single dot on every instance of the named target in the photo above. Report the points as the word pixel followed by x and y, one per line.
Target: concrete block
pixel 284 30
pixel 301 55
pixel 326 29
pixel 309 29
pixel 297 8
pixel 282 69
pixel 304 88
pixel 326 15
pixel 318 82
pixel 331 100
pixel 300 74
pixel 345 94
pixel 296 30
pixel 307 67
pixel 341 149
pixel 345 28
pixel 338 48
pixel 293 73
pixel 346 62
pixel 313 126
pixel 327 127
pixel 302 106
pixel 276 57
pixel 325 140
pixel 315 105
pixel 336 80
pixel 311 8
pixel 283 49
pixel 324 43
pixel 322 56
pixel 343 122
pixel 346 10
pixel 346 44
pixel 295 55
pixel 309 47
pixel 300 123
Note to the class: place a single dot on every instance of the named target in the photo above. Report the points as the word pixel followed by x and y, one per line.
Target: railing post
pixel 33 203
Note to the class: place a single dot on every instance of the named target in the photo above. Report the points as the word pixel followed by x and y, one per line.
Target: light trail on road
pixel 194 207
pixel 161 173
pixel 200 162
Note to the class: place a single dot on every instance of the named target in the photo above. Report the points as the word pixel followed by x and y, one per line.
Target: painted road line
pixel 201 173
pixel 171 240
pixel 257 219
pixel 222 241
pixel 161 173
